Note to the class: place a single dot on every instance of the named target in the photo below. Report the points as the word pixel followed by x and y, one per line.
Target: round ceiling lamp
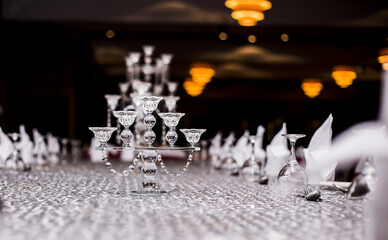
pixel 383 58
pixel 192 88
pixel 202 73
pixel 312 87
pixel 344 75
pixel 248 12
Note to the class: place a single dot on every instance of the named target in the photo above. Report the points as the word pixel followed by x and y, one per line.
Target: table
pixel 86 201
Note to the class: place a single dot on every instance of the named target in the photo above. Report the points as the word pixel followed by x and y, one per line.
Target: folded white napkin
pixel 215 145
pixel 242 150
pixel 354 143
pixel 259 151
pixel 277 153
pixel 40 147
pixel 6 147
pixel 25 145
pixel 319 168
pixel 95 156
pixel 53 148
pixel 227 145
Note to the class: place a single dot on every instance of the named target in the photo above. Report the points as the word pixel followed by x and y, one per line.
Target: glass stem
pixel 293 156
pixel 118 138
pixel 123 100
pixel 253 154
pixel 164 135
pixel 108 122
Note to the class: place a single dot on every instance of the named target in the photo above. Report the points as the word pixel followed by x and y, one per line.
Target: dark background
pixel 57 63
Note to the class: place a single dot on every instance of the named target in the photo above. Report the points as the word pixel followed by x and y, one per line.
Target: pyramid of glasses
pixel 144 105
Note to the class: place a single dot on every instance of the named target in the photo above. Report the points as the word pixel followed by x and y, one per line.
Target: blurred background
pixel 59 58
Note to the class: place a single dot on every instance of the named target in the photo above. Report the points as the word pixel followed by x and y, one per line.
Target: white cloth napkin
pixel 319 168
pixel 215 145
pixel 25 145
pixel 39 143
pixel 95 156
pixel 6 147
pixel 259 151
pixel 242 150
pixel 227 145
pixel 53 148
pixel 277 153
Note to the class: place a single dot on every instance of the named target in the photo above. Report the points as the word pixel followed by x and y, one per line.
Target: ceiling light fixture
pixel 248 12
pixel 110 34
pixel 252 38
pixel 202 74
pixel 383 58
pixel 344 75
pixel 312 87
pixel 192 88
pixel 284 37
pixel 223 36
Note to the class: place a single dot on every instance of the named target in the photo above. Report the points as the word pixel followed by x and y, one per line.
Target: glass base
pixel 155 192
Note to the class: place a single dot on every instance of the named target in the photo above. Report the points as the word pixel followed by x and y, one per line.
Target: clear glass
pixel 103 134
pixel 142 87
pixel 64 152
pixel 171 120
pixel 112 101
pixel 135 97
pixel 123 91
pixel 166 60
pixel 292 178
pixel 15 160
pixel 229 163
pixel 150 104
pixel 193 135
pixel 126 118
pixel 365 183
pixel 251 169
pixel 172 87
pixel 171 102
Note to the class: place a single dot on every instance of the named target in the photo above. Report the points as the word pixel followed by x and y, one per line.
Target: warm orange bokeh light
pixel 202 73
pixel 344 75
pixel 192 88
pixel 383 58
pixel 248 12
pixel 312 87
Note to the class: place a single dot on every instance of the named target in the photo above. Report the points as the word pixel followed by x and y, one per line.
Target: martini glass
pixel 192 135
pixel 15 158
pixel 143 87
pixel 292 178
pixel 171 102
pixel 171 120
pixel 172 87
pixel 103 134
pixel 112 100
pixel 150 104
pixel 158 89
pixel 123 90
pixel 126 118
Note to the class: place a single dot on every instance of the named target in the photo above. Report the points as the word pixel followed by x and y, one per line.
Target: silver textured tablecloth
pixel 88 202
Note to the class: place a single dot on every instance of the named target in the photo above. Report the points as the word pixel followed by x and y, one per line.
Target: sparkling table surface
pixel 86 201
